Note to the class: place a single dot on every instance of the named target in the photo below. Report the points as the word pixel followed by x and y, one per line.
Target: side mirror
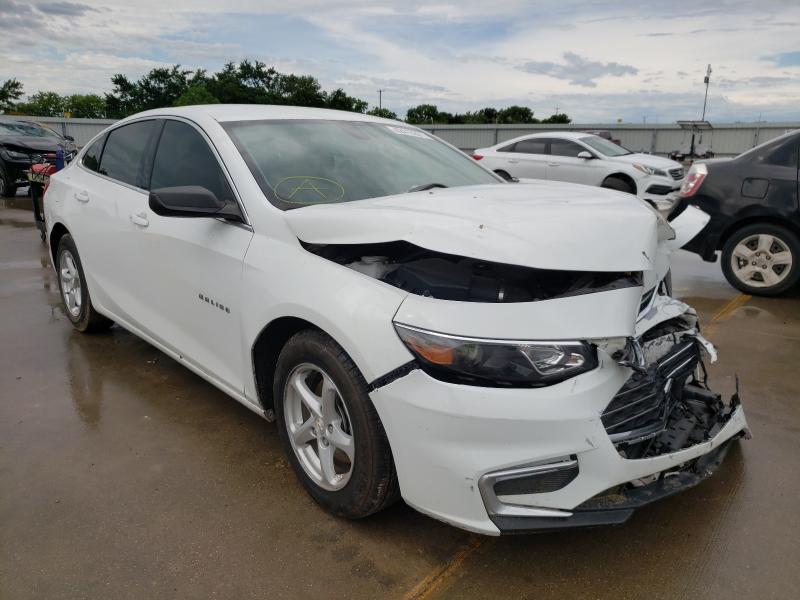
pixel 69 138
pixel 192 201
pixel 585 154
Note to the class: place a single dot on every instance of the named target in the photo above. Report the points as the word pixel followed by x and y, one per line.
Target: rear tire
pixel 618 183
pixel 762 259
pixel 325 417
pixel 74 291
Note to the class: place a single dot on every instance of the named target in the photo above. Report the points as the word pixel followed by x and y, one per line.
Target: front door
pixel 564 165
pixel 188 271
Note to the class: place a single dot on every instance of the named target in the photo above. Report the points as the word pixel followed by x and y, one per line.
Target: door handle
pixel 82 196
pixel 553 165
pixel 140 220
pixel 512 161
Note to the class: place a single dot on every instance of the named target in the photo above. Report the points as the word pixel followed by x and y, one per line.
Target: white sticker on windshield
pixel 408 131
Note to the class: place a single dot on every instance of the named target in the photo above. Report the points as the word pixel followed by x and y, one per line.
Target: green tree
pixel 339 100
pixel 85 106
pixel 42 104
pixel 196 94
pixel 483 116
pixel 160 87
pixel 422 114
pixel 516 115
pixel 10 90
pixel 558 118
pixel 382 112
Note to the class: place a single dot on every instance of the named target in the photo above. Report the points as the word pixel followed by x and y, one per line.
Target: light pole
pixel 705 100
pixel 380 99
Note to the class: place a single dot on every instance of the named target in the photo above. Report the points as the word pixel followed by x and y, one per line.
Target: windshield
pixel 27 129
pixel 302 162
pixel 604 147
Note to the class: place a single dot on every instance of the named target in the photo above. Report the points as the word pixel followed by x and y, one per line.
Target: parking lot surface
pixel 123 475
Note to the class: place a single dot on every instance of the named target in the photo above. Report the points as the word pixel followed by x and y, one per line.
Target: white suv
pixel 583 158
pixel 499 355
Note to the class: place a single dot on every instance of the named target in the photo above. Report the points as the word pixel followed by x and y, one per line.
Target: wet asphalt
pixel 123 475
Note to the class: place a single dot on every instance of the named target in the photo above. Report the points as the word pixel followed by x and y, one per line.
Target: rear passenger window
pixel 91 158
pixel 124 153
pixel 531 146
pixel 564 148
pixel 184 158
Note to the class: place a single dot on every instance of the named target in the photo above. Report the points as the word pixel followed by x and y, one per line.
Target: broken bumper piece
pixel 617 505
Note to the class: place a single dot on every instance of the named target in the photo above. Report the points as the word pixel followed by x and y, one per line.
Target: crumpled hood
pixel 542 224
pixel 28 143
pixel 657 162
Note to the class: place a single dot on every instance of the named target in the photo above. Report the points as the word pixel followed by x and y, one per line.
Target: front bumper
pixel 447 438
pixel 657 188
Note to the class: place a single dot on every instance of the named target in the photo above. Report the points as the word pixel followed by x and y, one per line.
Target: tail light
pixel 477 156
pixel 694 179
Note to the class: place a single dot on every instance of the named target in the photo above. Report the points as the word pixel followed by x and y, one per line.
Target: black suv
pixel 23 143
pixel 755 222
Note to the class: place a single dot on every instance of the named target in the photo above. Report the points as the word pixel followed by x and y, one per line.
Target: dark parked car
pixel 753 203
pixel 22 143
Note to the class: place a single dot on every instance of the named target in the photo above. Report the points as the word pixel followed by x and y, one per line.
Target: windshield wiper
pixel 425 186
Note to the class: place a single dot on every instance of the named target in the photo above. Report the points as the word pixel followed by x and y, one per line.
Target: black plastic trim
pixel 592 514
pixel 393 375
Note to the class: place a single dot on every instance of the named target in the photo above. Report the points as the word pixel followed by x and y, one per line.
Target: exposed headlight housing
pixel 497 363
pixel 649 170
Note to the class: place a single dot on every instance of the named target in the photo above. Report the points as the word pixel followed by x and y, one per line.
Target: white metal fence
pixel 723 140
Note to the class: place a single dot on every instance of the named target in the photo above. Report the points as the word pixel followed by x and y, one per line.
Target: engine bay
pixel 450 277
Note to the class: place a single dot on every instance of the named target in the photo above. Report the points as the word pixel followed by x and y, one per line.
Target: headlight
pixel 649 170
pixel 14 155
pixel 497 363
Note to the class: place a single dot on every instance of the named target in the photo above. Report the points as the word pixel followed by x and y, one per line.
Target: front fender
pixel 281 279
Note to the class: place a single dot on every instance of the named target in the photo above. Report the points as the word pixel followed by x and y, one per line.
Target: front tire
pixel 619 184
pixel 762 259
pixel 329 428
pixel 74 291
pixel 7 185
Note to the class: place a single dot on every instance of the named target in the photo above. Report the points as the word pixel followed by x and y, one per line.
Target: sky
pixel 597 61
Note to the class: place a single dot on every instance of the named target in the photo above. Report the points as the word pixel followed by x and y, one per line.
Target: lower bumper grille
pixel 642 406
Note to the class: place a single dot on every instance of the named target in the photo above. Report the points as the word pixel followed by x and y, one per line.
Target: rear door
pixel 528 159
pixel 189 270
pixel 110 177
pixel 564 165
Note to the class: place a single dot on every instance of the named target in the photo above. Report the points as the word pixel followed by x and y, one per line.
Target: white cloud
pixel 461 55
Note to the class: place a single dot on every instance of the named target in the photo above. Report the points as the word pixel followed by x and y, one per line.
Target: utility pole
pixel 380 99
pixel 705 100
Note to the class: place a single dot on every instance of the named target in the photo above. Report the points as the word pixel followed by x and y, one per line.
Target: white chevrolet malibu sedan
pixel 503 357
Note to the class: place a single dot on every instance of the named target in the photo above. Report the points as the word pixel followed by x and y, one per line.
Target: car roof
pixel 564 135
pixel 257 112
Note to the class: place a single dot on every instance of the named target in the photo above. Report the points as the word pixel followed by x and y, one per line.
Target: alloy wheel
pixel 70 283
pixel 319 426
pixel 761 260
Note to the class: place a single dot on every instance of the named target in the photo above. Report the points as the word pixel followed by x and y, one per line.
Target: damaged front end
pixel 664 407
pixel 664 423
